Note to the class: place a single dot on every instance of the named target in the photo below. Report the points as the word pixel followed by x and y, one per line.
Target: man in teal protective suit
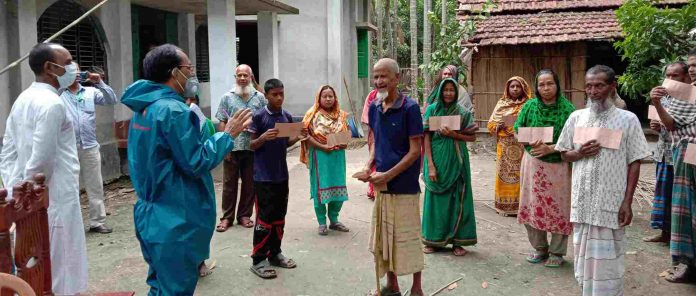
pixel 170 162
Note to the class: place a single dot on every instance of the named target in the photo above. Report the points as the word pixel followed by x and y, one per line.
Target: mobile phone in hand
pixel 84 75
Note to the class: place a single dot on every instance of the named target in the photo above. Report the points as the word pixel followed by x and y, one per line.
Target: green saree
pixel 448 208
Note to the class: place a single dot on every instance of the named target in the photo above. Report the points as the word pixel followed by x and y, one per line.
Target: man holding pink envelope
pixel 605 145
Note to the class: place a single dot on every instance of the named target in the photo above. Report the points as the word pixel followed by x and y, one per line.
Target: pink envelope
pixel 453 122
pixel 652 113
pixel 533 134
pixel 607 138
pixel 289 130
pixel 509 120
pixel 340 138
pixel 690 155
pixel 681 91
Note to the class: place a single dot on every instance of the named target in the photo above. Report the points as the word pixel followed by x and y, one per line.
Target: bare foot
pixel 428 250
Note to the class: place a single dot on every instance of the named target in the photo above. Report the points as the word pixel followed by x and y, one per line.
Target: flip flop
pixel 206 270
pixel 460 253
pixel 554 261
pixel 246 222
pixel 658 238
pixel 338 226
pixel 680 274
pixel 537 257
pixel 223 225
pixel 263 271
pixel 282 261
pixel 323 230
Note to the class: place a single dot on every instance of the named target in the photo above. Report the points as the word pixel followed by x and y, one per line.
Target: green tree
pixel 653 38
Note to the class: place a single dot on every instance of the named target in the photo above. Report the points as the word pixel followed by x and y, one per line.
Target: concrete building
pixel 305 43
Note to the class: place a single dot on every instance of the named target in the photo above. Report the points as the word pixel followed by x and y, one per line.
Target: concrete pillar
pixel 5 94
pixel 187 35
pixel 222 51
pixel 26 22
pixel 268 45
pixel 334 40
pixel 115 18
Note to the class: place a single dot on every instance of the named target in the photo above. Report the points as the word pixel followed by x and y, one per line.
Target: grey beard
pixel 381 95
pixel 599 106
pixel 243 90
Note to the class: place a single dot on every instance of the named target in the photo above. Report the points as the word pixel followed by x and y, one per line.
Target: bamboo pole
pixel 17 62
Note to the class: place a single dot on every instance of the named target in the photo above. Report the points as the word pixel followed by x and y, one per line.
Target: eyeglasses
pixel 189 66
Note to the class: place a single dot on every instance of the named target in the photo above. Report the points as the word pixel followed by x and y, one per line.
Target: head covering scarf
pixel 455 76
pixel 450 153
pixel 535 113
pixel 321 123
pixel 507 105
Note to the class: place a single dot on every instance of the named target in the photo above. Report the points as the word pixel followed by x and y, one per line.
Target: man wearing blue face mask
pixel 170 162
pixel 39 138
pixel 80 102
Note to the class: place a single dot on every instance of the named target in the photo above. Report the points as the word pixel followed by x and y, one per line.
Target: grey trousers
pixel 538 239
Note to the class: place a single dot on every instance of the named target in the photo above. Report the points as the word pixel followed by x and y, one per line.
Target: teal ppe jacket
pixel 170 162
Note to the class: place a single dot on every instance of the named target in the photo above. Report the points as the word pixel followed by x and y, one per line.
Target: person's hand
pixel 303 134
pixel 655 125
pixel 270 134
pixel 378 178
pixel 590 148
pixel 625 214
pixel 541 149
pixel 341 147
pixel 657 93
pixel 239 121
pixel 445 131
pixel 474 128
pixel 93 77
pixel 363 175
pixel 432 173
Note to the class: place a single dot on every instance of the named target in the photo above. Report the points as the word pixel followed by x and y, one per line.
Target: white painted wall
pixel 303 54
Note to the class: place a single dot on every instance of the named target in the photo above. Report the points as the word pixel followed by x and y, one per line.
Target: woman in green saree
pixel 448 208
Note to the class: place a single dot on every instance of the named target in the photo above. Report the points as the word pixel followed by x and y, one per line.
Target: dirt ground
pixel 339 264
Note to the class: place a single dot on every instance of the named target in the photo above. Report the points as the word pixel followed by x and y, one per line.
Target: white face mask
pixel 68 77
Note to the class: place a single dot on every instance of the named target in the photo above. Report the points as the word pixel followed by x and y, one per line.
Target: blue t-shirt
pixel 270 164
pixel 393 130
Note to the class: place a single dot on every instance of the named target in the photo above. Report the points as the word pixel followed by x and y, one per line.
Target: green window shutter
pixel 363 58
pixel 135 34
pixel 172 28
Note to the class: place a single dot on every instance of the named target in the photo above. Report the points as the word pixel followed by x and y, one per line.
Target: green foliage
pixel 653 38
pixel 447 45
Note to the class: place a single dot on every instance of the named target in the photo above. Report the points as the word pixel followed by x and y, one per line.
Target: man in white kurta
pixel 604 180
pixel 39 138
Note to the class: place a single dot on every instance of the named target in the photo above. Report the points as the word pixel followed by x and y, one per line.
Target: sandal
pixel 282 261
pixel 680 274
pixel 537 257
pixel 246 222
pixel 429 250
pixel 323 230
pixel 338 226
pixel 459 251
pixel 554 261
pixel 205 270
pixel 223 225
pixel 263 270
pixel 658 238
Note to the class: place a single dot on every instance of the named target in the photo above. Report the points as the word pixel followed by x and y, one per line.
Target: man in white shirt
pixel 39 138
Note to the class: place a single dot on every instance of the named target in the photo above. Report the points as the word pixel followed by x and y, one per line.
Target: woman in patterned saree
pixel 509 151
pixel 544 178
pixel 327 164
pixel 448 207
